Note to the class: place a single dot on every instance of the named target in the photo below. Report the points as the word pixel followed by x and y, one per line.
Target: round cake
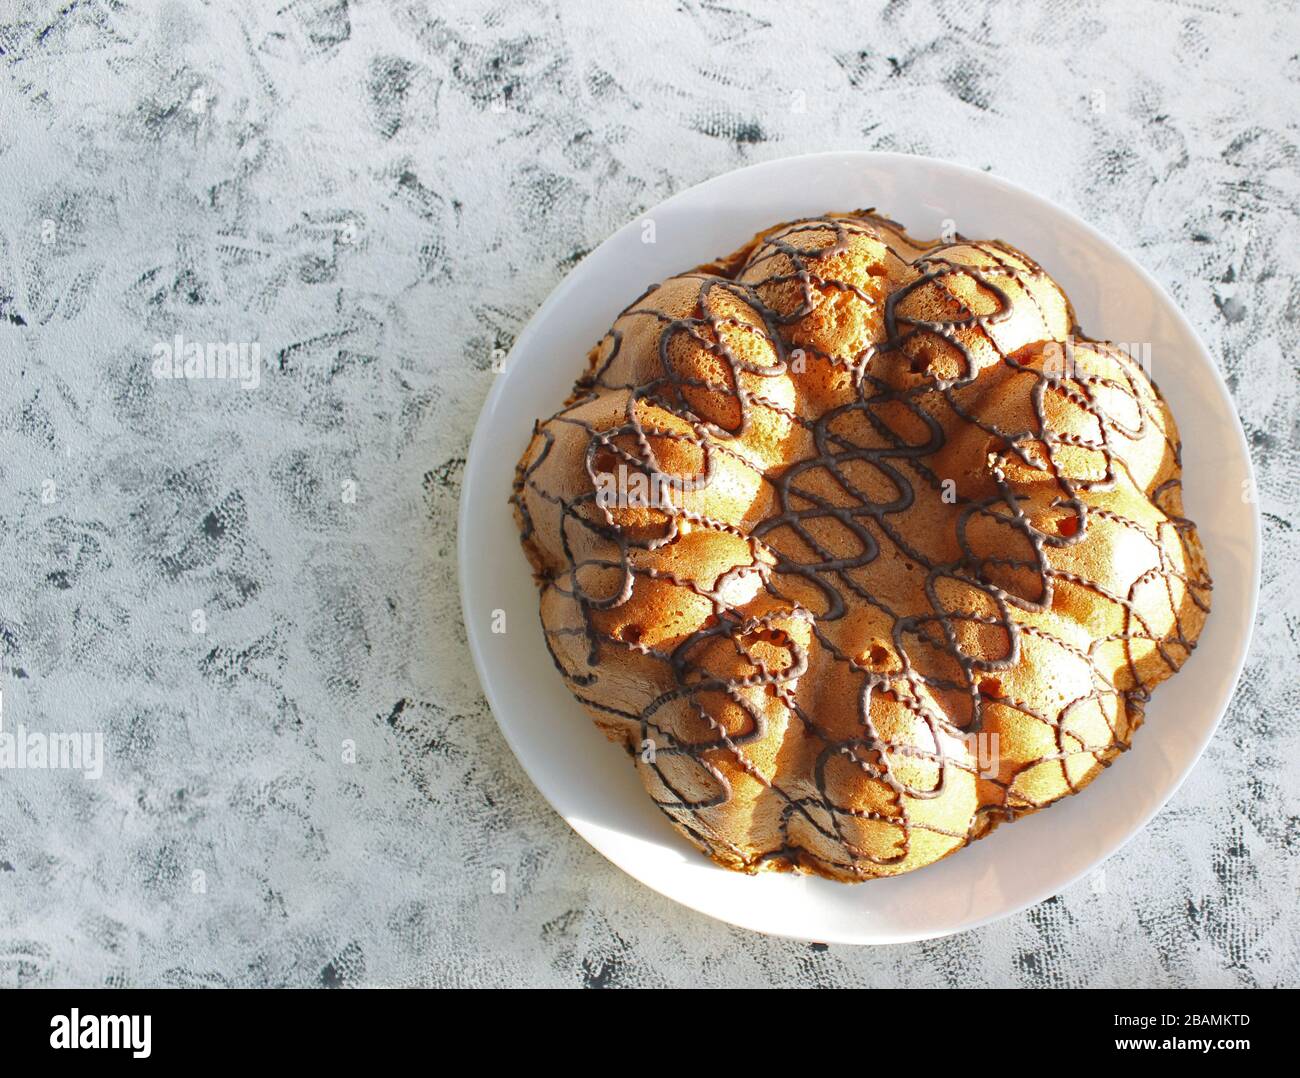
pixel 860 547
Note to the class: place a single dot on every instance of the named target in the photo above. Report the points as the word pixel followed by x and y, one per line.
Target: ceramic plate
pixel 590 781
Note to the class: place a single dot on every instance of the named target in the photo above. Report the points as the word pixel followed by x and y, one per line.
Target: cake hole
pixel 990 688
pixel 631 634
pixel 604 461
pixel 878 655
pixel 1067 527
pixel 924 358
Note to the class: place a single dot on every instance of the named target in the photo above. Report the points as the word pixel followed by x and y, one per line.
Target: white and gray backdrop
pixel 231 585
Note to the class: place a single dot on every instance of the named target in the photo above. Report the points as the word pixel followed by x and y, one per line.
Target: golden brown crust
pixel 857 549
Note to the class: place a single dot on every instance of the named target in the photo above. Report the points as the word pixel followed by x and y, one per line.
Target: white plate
pixel 590 782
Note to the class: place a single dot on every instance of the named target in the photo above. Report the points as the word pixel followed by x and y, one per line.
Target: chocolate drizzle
pixel 893 508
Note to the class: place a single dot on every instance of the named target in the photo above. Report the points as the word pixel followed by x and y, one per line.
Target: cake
pixel 860 547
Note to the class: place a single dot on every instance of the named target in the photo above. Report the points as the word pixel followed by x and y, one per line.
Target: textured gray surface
pixel 379 196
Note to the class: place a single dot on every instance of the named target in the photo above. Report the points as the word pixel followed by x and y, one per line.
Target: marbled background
pixel 379 195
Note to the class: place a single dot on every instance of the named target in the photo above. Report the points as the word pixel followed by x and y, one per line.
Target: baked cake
pixel 860 547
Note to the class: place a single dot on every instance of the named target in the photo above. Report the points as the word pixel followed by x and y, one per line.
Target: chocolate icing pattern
pixel 859 546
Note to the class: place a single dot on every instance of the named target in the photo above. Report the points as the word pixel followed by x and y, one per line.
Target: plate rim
pixel 873 158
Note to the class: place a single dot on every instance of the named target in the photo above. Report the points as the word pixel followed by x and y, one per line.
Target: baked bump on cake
pixel 859 547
